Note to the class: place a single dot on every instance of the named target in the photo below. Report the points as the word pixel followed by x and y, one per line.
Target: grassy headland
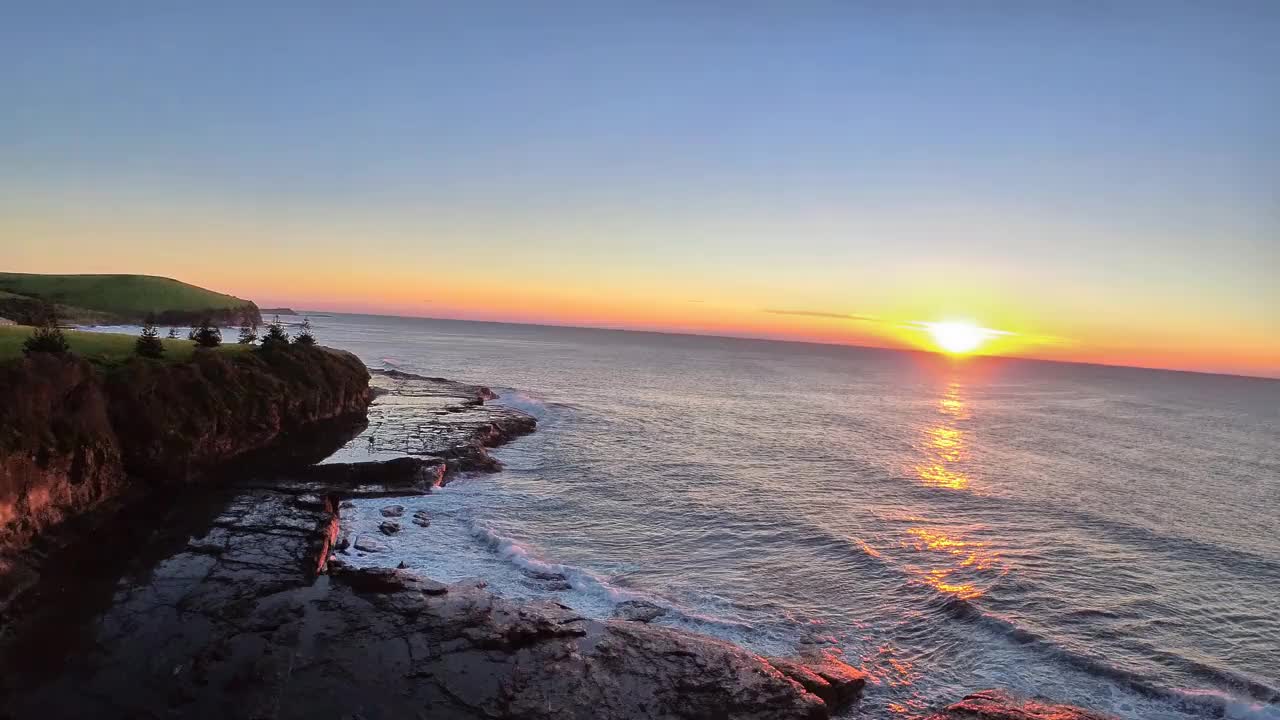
pixel 105 348
pixel 116 298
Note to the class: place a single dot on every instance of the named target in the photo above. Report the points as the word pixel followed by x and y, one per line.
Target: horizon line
pixel 1275 378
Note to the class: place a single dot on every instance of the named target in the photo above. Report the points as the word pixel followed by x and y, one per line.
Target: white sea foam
pixel 602 595
pixel 1225 706
pixel 523 402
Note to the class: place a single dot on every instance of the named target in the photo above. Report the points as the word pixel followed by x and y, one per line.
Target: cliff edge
pixel 75 437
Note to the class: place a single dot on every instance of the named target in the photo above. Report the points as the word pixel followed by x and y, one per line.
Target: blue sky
pixel 791 150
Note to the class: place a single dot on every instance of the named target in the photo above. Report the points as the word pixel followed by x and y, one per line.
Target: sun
pixel 957 338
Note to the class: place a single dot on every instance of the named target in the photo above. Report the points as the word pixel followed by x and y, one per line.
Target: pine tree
pixel 304 335
pixel 206 334
pixel 173 333
pixel 248 330
pixel 275 338
pixel 48 336
pixel 148 344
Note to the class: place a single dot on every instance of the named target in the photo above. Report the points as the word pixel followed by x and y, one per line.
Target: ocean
pixel 1105 537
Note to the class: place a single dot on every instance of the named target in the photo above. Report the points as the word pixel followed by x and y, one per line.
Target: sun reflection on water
pixel 965 556
pixel 944 444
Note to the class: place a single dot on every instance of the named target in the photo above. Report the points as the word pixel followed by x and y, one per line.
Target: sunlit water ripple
pixel 1104 537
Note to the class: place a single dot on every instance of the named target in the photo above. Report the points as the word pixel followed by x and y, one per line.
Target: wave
pixel 591 584
pixel 1171 544
pixel 578 578
pixel 524 402
pixel 1262 701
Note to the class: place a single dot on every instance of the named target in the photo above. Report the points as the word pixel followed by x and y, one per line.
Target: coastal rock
pixel 638 611
pixel 309 501
pixel 385 580
pixel 837 683
pixel 421 519
pixel 388 527
pixel 59 453
pixel 1000 705
pixel 75 440
pixel 241 609
pixel 225 405
pixel 462 430
pixel 392 511
pixel 251 624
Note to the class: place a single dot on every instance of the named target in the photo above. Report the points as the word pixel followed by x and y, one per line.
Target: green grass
pixel 104 348
pixel 126 295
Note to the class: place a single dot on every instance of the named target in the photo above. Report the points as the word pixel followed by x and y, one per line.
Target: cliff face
pixel 172 420
pixel 58 451
pixel 73 437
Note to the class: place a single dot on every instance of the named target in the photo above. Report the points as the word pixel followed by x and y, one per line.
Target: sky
pixel 1099 181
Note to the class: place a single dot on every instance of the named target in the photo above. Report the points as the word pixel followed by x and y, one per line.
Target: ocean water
pixel 1106 537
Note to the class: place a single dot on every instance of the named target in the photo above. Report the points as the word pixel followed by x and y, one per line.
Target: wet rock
pixel 310 502
pixel 638 611
pixel 392 511
pixel 837 683
pixel 1000 705
pixel 460 428
pixel 343 542
pixel 364 543
pixel 421 519
pixel 385 580
pixel 395 476
pixel 389 527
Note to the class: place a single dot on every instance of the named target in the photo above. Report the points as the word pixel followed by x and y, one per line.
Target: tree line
pixel 49 338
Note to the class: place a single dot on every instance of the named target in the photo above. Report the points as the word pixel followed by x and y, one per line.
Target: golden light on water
pixel 944 445
pixel 961 556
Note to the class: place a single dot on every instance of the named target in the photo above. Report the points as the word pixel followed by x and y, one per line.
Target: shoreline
pixel 241 606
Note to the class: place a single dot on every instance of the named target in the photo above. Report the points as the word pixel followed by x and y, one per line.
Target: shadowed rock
pixel 638 611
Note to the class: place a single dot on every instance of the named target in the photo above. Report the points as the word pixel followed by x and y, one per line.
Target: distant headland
pixel 118 299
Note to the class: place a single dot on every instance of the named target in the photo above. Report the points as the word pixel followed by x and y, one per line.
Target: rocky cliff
pixel 74 437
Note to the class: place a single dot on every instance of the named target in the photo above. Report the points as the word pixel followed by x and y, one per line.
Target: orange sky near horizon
pixel 1078 326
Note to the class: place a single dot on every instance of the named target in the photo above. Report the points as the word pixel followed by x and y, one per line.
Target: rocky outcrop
pixel 837 683
pixel 59 456
pixel 75 437
pixel 176 419
pixel 1000 705
pixel 232 621
pixel 251 612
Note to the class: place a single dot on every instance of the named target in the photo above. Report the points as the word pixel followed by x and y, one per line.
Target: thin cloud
pixel 821 314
